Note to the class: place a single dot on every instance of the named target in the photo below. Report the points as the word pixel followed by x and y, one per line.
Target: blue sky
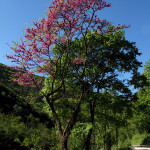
pixel 15 14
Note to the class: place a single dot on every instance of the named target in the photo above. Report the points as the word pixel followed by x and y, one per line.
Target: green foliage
pixel 147 70
pixel 138 129
pixel 23 125
pixel 78 135
pixel 138 139
pixel 142 105
pixel 11 128
pixel 124 139
pixel 15 133
pixel 119 120
pixel 7 77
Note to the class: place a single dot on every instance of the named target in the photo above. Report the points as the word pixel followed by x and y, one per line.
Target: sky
pixel 17 14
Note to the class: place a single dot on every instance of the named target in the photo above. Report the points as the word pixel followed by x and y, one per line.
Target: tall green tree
pixel 110 58
pixel 142 104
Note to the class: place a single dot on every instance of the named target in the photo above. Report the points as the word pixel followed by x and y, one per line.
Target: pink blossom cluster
pixel 65 20
pixel 73 15
pixel 46 68
pixel 121 27
pixel 79 60
pixel 26 78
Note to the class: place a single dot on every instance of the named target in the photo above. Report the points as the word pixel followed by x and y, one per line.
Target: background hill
pixel 20 118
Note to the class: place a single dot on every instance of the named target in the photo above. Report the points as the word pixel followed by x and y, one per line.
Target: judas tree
pixel 66 21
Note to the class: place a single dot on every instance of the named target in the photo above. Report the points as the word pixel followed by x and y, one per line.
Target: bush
pixel 15 134
pixel 139 139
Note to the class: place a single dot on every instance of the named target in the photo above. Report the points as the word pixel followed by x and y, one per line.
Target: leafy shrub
pixel 15 134
pixel 137 139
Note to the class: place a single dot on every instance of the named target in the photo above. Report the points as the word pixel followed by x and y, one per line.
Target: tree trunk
pixel 109 142
pixel 105 136
pixel 117 137
pixel 92 112
pixel 88 140
pixel 64 141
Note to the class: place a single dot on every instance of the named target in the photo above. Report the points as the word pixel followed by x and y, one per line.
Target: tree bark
pixel 109 142
pixel 73 118
pixel 64 141
pixel 92 112
pixel 88 140
pixel 117 137
pixel 63 138
pixel 67 131
pixel 105 136
pixel 58 123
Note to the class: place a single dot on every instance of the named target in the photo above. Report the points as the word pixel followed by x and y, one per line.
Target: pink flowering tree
pixel 65 21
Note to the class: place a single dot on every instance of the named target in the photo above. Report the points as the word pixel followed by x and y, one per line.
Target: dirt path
pixel 141 147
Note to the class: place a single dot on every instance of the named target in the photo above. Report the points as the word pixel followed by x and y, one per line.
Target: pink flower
pixel 121 27
pixel 28 30
pixel 65 21
pixel 79 60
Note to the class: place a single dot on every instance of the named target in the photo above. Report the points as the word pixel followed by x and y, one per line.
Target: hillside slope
pixel 16 110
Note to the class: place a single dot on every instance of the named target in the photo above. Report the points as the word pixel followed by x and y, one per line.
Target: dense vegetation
pixel 22 123
pixel 73 73
pixel 26 124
